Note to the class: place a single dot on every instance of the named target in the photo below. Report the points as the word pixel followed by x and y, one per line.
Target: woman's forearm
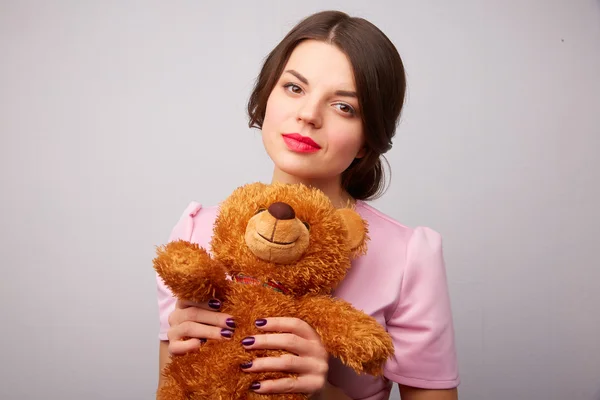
pixel 411 393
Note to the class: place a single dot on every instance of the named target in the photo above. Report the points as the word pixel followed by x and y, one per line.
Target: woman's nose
pixel 309 113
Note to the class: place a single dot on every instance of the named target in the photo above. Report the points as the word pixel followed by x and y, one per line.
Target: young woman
pixel 327 102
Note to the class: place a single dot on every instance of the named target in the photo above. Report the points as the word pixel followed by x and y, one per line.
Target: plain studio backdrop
pixel 115 115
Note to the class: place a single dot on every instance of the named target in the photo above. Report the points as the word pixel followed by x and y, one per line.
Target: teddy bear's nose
pixel 282 210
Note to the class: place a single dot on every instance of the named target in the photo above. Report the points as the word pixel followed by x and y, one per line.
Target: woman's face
pixel 312 127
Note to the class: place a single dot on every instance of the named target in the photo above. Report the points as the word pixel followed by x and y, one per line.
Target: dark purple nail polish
pixel 249 341
pixel 255 386
pixel 246 365
pixel 230 322
pixel 226 333
pixel 214 303
pixel 261 322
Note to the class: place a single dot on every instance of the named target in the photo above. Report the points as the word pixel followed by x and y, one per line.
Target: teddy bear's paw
pixel 181 256
pixel 170 390
pixel 187 270
pixel 369 352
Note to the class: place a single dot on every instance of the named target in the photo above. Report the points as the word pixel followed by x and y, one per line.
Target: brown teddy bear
pixel 277 250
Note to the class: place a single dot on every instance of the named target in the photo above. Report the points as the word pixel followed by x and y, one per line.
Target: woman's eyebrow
pixel 301 78
pixel 298 75
pixel 346 93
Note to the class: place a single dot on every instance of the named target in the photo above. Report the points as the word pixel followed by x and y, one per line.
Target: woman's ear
pixel 357 231
pixel 362 152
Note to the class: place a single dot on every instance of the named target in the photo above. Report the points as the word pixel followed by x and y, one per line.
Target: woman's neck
pixel 331 187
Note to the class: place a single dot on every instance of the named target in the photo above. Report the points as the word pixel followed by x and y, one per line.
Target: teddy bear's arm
pixel 189 271
pixel 348 334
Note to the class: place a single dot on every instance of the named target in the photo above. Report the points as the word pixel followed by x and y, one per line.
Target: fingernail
pixel 261 322
pixel 226 333
pixel 249 341
pixel 214 303
pixel 230 322
pixel 246 365
pixel 255 386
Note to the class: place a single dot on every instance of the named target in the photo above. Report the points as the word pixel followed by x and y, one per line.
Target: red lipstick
pixel 299 143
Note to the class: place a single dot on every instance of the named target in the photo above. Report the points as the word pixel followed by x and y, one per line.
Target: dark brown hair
pixel 380 84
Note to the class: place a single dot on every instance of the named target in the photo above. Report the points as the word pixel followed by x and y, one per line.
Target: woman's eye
pixel 293 88
pixel 346 109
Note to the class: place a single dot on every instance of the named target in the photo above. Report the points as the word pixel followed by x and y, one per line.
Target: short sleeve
pixel 421 324
pixel 166 301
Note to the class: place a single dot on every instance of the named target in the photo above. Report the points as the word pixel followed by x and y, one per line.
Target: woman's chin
pixel 305 171
pixel 298 169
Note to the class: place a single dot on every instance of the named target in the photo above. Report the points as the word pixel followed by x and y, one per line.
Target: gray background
pixel 114 115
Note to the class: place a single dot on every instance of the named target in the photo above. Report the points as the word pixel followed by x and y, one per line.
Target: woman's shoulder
pixel 195 223
pixel 385 229
pixel 373 215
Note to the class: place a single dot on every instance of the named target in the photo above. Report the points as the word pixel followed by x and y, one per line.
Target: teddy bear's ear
pixel 357 231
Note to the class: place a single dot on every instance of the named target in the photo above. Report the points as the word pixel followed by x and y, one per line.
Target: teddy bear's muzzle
pixel 276 235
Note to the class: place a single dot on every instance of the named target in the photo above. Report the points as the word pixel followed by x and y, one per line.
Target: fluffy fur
pixel 306 250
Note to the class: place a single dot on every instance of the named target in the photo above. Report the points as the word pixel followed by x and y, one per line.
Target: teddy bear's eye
pixel 306 224
pixel 260 210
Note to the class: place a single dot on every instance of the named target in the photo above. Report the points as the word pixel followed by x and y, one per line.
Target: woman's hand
pixel 309 358
pixel 192 323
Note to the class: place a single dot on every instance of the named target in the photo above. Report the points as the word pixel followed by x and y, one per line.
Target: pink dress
pixel 401 282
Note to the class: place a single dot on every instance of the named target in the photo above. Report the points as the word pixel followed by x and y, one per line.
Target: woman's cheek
pixel 348 142
pixel 276 109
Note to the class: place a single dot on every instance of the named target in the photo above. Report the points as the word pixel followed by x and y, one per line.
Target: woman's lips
pixel 299 143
